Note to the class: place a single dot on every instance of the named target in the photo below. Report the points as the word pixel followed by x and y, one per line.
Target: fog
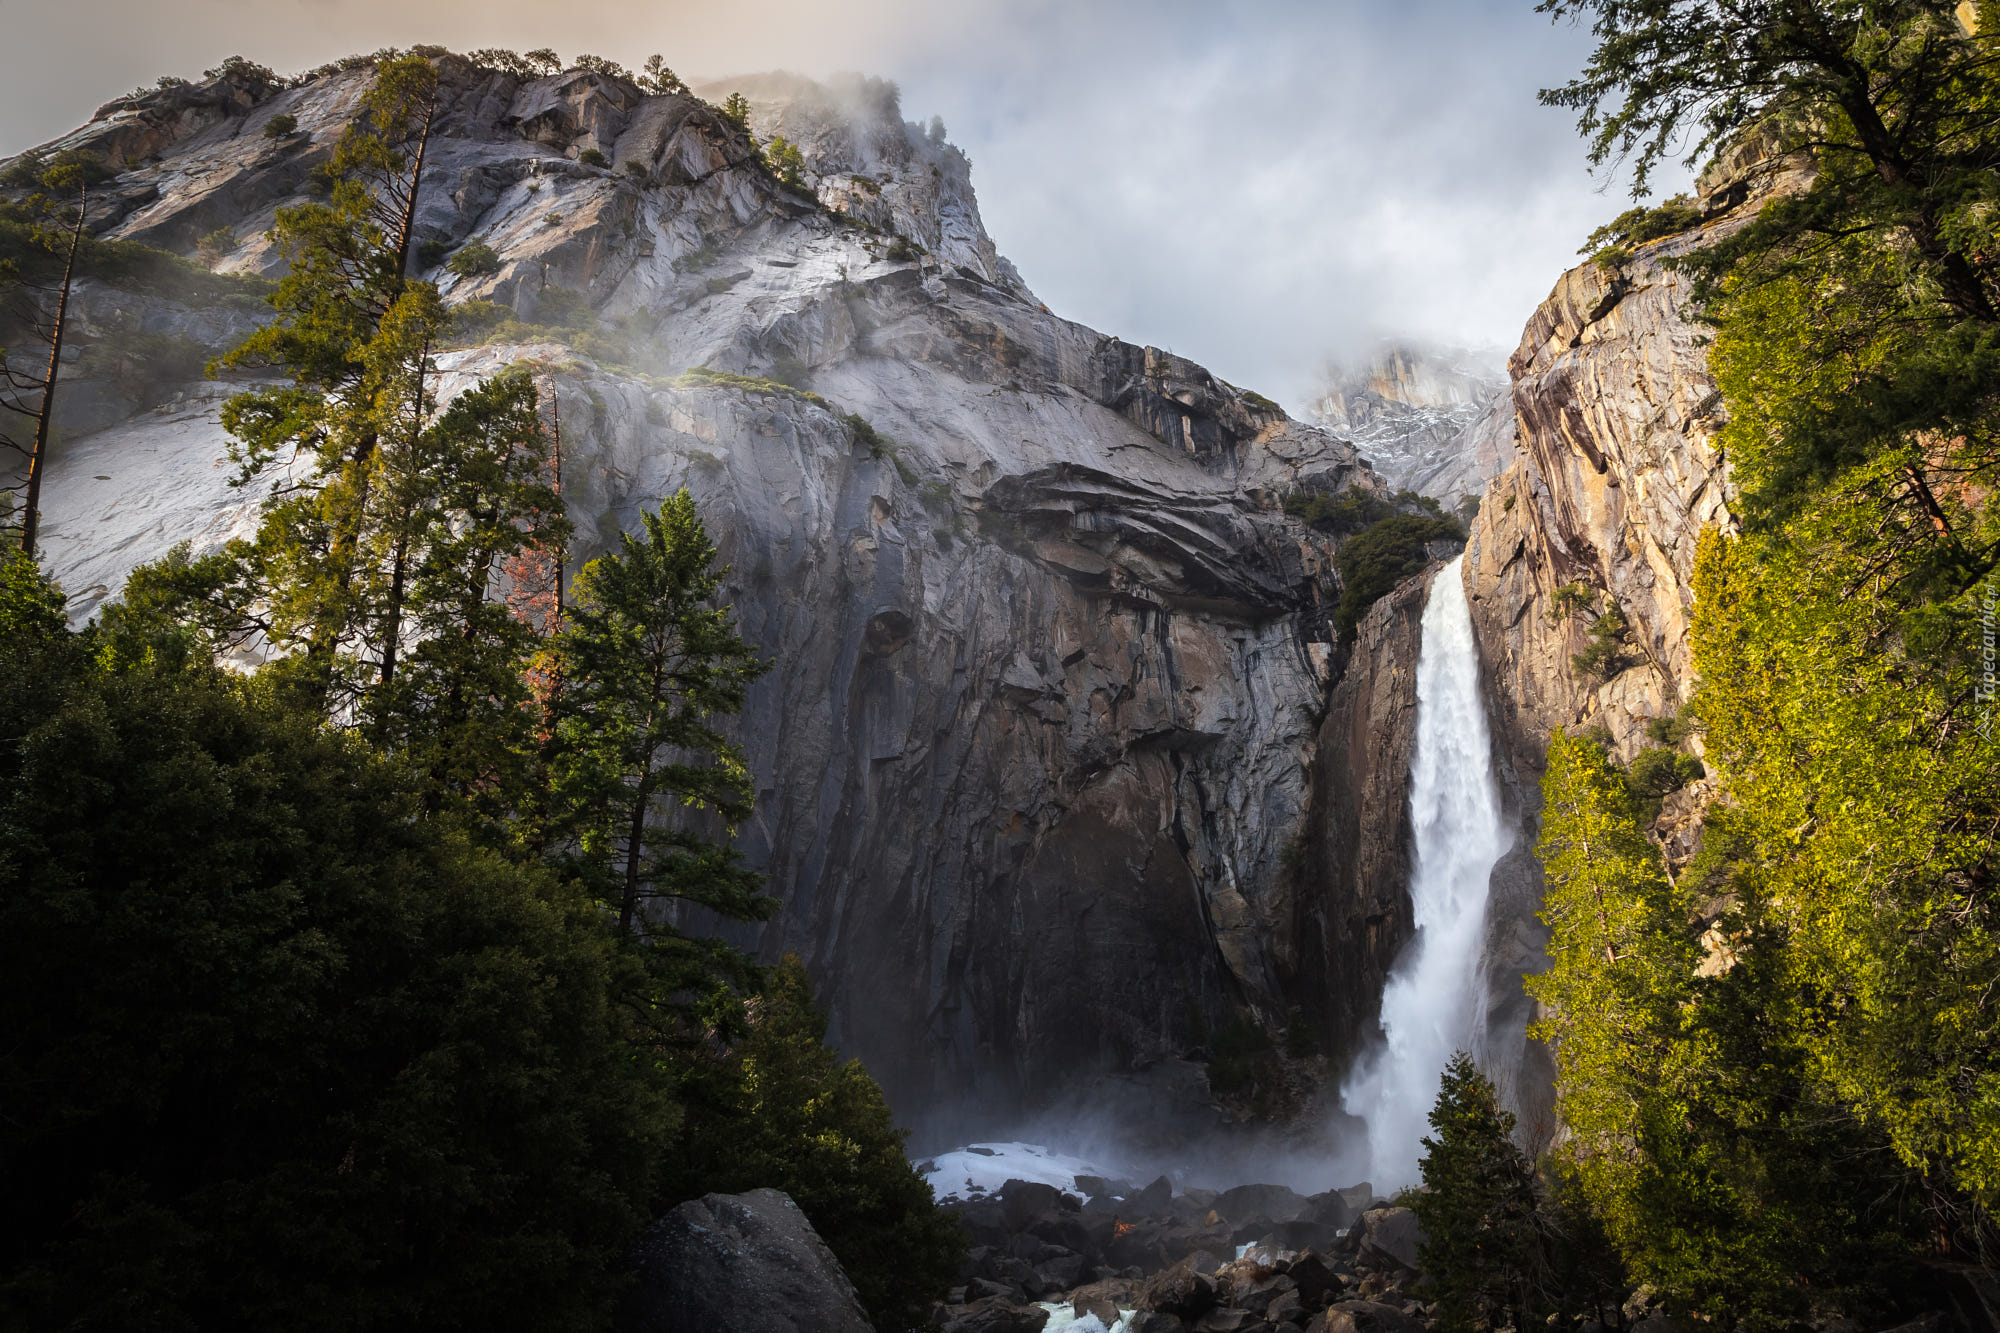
pixel 1255 185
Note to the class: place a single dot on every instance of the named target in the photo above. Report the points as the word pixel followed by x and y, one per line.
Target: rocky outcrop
pixel 1618 475
pixel 1351 900
pixel 1430 420
pixel 1048 703
pixel 738 1263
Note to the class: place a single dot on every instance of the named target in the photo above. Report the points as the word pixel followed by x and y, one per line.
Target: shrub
pixel 637 171
pixel 781 1110
pixel 1258 402
pixel 214 245
pixel 1605 655
pixel 431 253
pixel 1569 599
pixel 590 157
pixel 1375 560
pixel 705 377
pixel 866 435
pixel 1669 730
pixel 787 163
pixel 1344 512
pixel 1240 1052
pixel 278 127
pixel 474 259
pixel 1610 245
pixel 1658 772
pixel 903 250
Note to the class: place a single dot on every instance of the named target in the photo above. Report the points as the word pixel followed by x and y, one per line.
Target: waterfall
pixel 1433 1004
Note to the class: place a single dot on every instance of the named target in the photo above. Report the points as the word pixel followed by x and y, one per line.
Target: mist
pixel 1256 186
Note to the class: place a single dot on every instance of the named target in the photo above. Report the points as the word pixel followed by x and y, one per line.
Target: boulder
pixel 1224 1320
pixel 996 1315
pixel 1317 1282
pixel 1276 1202
pixel 1155 1321
pixel 1329 1209
pixel 1357 1197
pixel 738 1263
pixel 1180 1291
pixel 1390 1237
pixel 1153 1201
pixel 1364 1317
pixel 1025 1200
pixel 1103 1186
pixel 1103 1308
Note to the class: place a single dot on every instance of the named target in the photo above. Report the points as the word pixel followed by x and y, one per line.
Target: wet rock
pixel 1390 1236
pixel 1153 1201
pixel 1363 1317
pixel 1025 1200
pixel 1156 1321
pixel 1104 1309
pixel 1095 1186
pixel 996 1315
pixel 1316 1281
pixel 738 1263
pixel 1181 1291
pixel 1275 1202
pixel 1224 1320
pixel 1329 1209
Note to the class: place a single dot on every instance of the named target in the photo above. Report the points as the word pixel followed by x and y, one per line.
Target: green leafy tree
pixel 281 1053
pixel 782 1110
pixel 650 667
pixel 787 163
pixel 736 110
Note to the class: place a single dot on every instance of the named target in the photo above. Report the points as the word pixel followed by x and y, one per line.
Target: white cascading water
pixel 1433 1004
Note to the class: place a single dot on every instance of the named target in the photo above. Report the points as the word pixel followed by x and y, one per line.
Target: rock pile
pixel 1254 1259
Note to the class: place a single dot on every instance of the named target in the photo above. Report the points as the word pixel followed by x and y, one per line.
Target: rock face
pixel 738 1263
pixel 1049 701
pixel 1434 421
pixel 1617 477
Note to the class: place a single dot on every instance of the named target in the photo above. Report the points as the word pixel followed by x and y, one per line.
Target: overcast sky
pixel 1254 185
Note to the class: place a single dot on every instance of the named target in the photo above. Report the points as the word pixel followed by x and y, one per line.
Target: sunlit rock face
pixel 1617 476
pixel 1432 420
pixel 1050 664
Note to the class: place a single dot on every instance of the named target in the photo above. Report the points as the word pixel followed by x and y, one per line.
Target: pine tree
pixel 1478 1209
pixel 649 667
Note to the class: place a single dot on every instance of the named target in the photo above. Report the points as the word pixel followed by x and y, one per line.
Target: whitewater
pixel 1434 1004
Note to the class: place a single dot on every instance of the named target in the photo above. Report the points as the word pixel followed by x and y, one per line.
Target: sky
pixel 1255 184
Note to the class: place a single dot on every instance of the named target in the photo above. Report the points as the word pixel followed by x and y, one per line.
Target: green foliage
pixel 648 665
pixel 1478 1210
pixel 865 435
pixel 1671 730
pixel 609 69
pixel 659 80
pixel 1568 599
pixel 903 250
pixel 787 163
pixel 590 157
pixel 1382 555
pixel 1610 245
pixel 474 259
pixel 782 1110
pixel 1657 772
pixel 1260 403
pixel 736 109
pixel 704 377
pixel 279 1053
pixel 431 253
pixel 1604 656
pixel 281 126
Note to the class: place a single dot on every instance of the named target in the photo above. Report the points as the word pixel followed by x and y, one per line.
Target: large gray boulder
pixel 1390 1238
pixel 739 1263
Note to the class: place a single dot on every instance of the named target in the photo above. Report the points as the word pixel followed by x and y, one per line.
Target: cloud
pixel 1252 183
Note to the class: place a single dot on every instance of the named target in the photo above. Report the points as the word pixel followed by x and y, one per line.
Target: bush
pixel 590 157
pixel 787 163
pixel 278 127
pixel 1343 512
pixel 1605 655
pixel 781 1110
pixel 431 253
pixel 1669 730
pixel 866 435
pixel 1610 245
pixel 1657 772
pixel 1569 599
pixel 281 1054
pixel 214 245
pixel 1375 560
pixel 474 259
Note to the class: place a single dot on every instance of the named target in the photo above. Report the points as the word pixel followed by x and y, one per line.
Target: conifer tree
pixel 649 668
pixel 28 392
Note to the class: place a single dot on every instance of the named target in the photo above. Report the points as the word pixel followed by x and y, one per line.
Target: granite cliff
pixel 1438 421
pixel 1055 686
pixel 1618 474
